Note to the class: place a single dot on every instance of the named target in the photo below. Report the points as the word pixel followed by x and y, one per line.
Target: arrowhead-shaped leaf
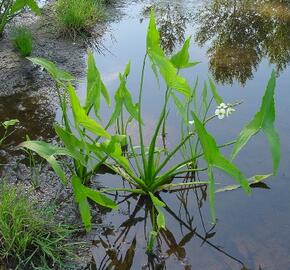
pixel 95 86
pixel 181 59
pixel 160 62
pixel 56 73
pixel 214 158
pixel 82 193
pixel 81 118
pixel 48 152
pixel 264 119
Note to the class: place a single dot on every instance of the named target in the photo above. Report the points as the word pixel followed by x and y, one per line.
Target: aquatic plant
pixel 11 8
pixel 30 236
pixel 21 38
pixel 6 125
pixel 78 16
pixel 147 168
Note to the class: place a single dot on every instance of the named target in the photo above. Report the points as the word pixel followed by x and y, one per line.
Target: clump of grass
pixel 30 238
pixel 79 16
pixel 21 38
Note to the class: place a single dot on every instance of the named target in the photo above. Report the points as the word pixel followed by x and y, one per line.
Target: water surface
pixel 238 44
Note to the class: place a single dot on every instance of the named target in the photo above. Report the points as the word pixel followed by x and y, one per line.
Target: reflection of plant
pixel 11 8
pixel 241 34
pixel 146 168
pixel 116 247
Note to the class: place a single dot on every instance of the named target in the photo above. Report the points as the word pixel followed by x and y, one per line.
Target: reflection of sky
pixel 245 225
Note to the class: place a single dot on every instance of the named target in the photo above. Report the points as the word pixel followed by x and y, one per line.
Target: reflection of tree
pixel 242 33
pixel 171 20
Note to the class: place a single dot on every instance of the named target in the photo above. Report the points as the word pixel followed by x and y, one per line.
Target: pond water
pixel 238 43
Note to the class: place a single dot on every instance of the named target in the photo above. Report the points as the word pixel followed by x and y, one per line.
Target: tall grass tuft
pixel 79 16
pixel 21 38
pixel 30 237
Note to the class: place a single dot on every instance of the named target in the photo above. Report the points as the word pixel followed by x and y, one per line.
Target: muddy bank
pixel 27 93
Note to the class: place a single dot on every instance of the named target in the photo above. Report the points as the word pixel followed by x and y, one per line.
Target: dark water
pixel 238 44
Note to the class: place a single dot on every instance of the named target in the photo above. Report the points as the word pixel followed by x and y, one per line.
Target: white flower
pixel 222 106
pixel 220 113
pixel 224 110
pixel 191 122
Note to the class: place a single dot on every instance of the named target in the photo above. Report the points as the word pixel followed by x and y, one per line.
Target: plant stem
pixel 139 116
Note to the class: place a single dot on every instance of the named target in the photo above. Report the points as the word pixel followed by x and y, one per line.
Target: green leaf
pixel 81 200
pixel 56 73
pixel 81 193
pixel 124 98
pixel 204 97
pixel 214 158
pixel 113 149
pixel 158 60
pixel 9 123
pixel 218 99
pixel 211 194
pixel 20 4
pixel 95 86
pixel 181 108
pixel 264 119
pixel 127 69
pixel 73 144
pixel 156 202
pixel 130 106
pixel 81 118
pixel 181 59
pixel 99 198
pixel 169 74
pixel 161 220
pixel 48 152
pixel 32 4
pixel 153 37
pixel 253 180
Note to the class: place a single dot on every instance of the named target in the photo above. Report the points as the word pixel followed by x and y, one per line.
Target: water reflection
pixel 123 247
pixel 241 33
pixel 171 18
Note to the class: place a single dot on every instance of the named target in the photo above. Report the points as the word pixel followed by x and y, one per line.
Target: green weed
pixel 29 235
pixel 78 16
pixel 21 38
